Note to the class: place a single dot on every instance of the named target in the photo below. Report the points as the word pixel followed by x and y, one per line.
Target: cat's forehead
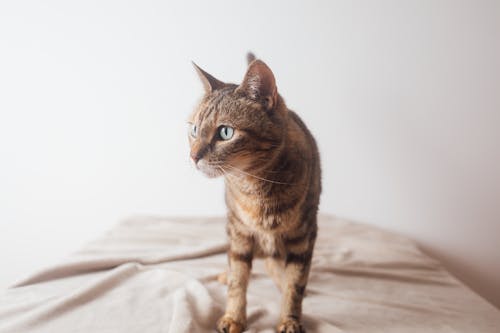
pixel 208 104
pixel 225 108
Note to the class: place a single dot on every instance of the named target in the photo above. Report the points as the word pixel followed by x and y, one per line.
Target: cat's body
pixel 272 174
pixel 275 212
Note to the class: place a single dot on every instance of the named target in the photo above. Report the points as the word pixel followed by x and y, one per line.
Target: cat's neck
pixel 281 170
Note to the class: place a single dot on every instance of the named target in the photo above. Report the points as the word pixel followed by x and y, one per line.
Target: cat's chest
pixel 268 244
pixel 256 213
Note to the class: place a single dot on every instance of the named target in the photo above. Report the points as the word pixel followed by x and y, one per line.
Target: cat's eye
pixel 226 132
pixel 194 130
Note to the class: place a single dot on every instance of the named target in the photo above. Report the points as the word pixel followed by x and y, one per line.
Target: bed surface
pixel 160 275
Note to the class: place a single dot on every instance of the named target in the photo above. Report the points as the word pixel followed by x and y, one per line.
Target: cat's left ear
pixel 259 84
pixel 210 83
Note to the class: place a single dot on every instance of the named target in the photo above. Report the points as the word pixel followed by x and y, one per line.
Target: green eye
pixel 226 132
pixel 194 129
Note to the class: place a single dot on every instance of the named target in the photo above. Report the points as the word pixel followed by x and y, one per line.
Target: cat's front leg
pixel 240 262
pixel 297 266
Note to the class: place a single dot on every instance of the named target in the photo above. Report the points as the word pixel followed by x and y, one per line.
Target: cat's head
pixel 237 128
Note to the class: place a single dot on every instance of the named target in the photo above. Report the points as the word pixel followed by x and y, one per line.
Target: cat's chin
pixel 211 173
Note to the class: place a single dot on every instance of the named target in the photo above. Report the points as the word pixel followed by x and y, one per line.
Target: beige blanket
pixel 152 275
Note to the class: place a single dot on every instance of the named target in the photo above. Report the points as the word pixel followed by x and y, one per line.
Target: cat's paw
pixel 290 326
pixel 228 325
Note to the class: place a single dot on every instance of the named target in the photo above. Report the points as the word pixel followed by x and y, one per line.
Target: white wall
pixel 403 97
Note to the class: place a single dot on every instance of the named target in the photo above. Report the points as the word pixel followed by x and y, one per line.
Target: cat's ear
pixel 259 84
pixel 250 57
pixel 210 83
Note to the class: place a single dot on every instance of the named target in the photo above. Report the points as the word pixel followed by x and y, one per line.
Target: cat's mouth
pixel 209 170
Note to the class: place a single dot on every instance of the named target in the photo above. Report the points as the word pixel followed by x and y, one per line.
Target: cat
pixel 271 167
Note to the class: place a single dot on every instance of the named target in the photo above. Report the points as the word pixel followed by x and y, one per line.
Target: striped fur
pixel 272 175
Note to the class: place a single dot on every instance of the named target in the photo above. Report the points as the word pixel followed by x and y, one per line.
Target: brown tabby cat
pixel 271 167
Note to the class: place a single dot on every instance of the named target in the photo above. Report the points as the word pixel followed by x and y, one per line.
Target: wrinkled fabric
pixel 160 275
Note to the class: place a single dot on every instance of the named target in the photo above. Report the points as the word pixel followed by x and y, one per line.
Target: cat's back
pixel 303 139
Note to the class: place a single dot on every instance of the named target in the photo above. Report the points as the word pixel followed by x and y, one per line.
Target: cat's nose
pixel 195 156
pixel 197 153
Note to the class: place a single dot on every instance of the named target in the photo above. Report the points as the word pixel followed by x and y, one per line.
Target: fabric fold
pixel 159 275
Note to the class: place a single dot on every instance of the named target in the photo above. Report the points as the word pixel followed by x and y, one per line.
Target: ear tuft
pixel 250 57
pixel 259 84
pixel 210 83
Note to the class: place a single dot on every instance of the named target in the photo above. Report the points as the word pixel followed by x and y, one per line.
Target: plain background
pixel 402 96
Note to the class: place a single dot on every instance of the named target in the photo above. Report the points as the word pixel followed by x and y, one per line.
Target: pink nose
pixel 198 152
pixel 195 156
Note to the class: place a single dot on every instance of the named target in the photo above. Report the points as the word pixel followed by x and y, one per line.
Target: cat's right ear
pixel 210 83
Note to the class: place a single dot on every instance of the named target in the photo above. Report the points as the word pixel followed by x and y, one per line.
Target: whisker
pixel 215 164
pixel 257 177
pixel 221 169
pixel 259 159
